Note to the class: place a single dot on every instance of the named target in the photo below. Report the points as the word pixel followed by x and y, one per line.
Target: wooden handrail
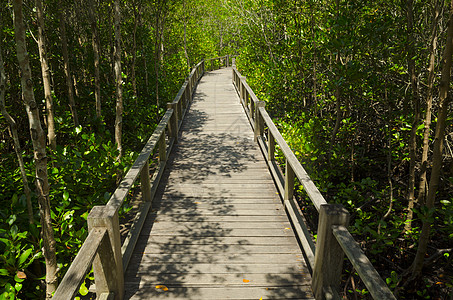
pixel 102 248
pixel 69 286
pixel 324 259
pixel 225 59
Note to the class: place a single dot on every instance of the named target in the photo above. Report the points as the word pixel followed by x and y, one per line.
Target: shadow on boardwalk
pixel 217 229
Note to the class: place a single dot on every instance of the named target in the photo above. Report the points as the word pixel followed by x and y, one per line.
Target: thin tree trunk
pixel 137 13
pixel 38 138
pixel 118 79
pixel 67 70
pixel 339 113
pixel 45 75
pixel 185 33
pixel 416 102
pixel 157 57
pixel 437 148
pixel 429 103
pixel 13 128
pixel 96 55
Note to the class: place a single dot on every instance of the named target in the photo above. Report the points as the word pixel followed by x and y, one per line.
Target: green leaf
pixel 83 289
pixel 18 286
pixel 65 196
pixel 4 272
pixel 23 257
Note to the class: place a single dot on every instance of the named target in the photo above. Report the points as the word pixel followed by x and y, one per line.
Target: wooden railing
pixel 102 248
pixel 218 62
pixel 325 260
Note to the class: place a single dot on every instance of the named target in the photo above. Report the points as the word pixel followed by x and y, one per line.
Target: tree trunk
pixel 429 103
pixel 67 70
pixel 118 79
pixel 39 148
pixel 45 75
pixel 157 57
pixel 416 102
pixel 339 112
pixel 13 127
pixel 185 33
pixel 96 55
pixel 437 148
pixel 137 13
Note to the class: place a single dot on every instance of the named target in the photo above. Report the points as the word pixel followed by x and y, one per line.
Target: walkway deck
pixel 217 229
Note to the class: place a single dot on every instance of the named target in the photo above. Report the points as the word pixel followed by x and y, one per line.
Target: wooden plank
pixel 183 203
pixel 197 293
pixel 220 241
pixel 213 218
pixel 192 249
pixel 69 286
pixel 231 279
pixel 218 232
pixel 217 257
pixel 361 263
pixel 220 212
pixel 208 268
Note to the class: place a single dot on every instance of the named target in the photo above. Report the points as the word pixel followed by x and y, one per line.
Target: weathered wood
pixel 108 263
pixel 234 279
pixel 209 268
pixel 274 292
pixel 270 147
pixel 312 191
pixel 134 232
pixel 145 184
pixel 217 209
pixel 289 181
pixel 107 296
pixel 329 255
pixel 374 283
pixel 259 123
pixel 69 286
pixel 173 122
pixel 124 187
pixel 302 232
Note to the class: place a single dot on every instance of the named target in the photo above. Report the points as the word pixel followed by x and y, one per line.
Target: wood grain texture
pixel 217 228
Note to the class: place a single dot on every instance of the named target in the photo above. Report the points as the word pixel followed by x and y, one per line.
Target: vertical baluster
pixel 270 146
pixel 259 122
pixel 145 183
pixel 108 278
pixel 289 181
pixel 328 255
pixel 162 149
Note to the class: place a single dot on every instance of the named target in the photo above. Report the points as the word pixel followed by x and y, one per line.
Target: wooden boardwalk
pixel 217 229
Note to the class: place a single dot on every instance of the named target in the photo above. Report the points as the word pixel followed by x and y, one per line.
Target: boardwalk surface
pixel 217 229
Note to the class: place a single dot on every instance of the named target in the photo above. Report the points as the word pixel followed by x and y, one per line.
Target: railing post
pixel 289 181
pixel 108 272
pixel 162 149
pixel 270 146
pixel 173 123
pixel 329 255
pixel 189 93
pixel 259 122
pixel 145 183
pixel 227 60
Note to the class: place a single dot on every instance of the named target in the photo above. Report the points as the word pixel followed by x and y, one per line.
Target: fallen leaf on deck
pixel 162 287
pixel 245 280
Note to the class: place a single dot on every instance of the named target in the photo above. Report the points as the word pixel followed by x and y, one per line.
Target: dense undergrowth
pixel 365 169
